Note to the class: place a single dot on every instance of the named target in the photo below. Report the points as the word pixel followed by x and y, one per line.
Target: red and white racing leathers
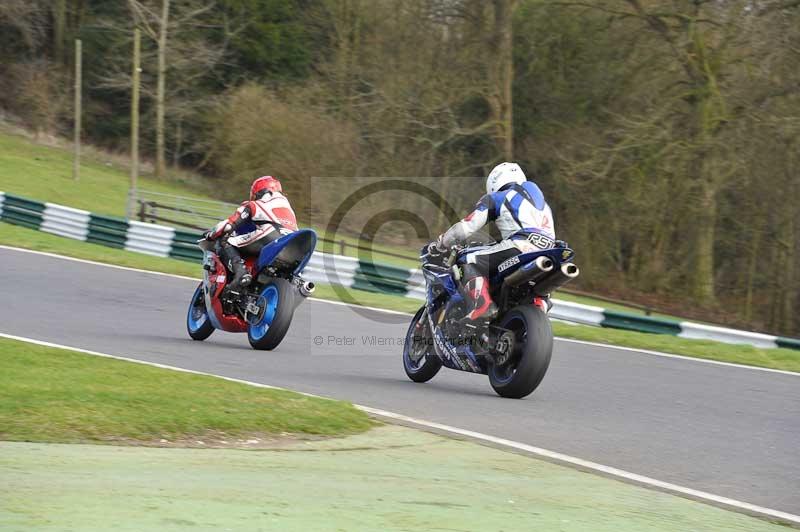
pixel 272 216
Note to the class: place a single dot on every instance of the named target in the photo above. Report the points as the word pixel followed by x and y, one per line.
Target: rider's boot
pixel 483 309
pixel 235 263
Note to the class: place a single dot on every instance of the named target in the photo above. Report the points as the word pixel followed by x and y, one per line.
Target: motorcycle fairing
pixel 440 276
pixel 215 280
pixel 557 255
pixel 294 249
pixel 461 356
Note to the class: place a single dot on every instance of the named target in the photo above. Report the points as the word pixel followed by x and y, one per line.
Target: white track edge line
pixel 176 276
pixel 530 449
pixel 387 311
pixel 592 466
pixel 96 263
pixel 680 357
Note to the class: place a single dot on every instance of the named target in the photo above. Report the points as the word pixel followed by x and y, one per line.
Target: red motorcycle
pixel 264 309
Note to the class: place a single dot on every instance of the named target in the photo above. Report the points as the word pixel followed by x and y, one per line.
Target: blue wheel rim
pixel 197 315
pixel 259 330
pixel 412 366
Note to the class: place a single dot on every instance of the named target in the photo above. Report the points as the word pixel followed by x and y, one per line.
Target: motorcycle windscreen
pixel 294 250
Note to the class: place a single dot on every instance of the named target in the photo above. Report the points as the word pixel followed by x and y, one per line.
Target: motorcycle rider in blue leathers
pixel 518 208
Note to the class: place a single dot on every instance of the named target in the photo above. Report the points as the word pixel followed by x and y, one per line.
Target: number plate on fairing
pixel 541 241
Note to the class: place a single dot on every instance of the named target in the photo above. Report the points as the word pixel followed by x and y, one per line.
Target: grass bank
pixel 390 478
pixel 778 358
pixel 53 395
pixel 44 173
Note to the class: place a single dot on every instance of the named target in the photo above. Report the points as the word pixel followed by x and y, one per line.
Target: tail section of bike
pixel 279 286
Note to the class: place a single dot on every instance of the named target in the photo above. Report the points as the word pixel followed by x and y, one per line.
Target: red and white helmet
pixel 263 183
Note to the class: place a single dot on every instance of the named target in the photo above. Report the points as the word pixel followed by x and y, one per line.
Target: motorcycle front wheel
pixel 198 325
pixel 530 358
pixel 419 360
pixel 270 329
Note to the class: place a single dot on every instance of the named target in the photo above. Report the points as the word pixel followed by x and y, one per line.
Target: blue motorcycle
pixel 263 310
pixel 514 350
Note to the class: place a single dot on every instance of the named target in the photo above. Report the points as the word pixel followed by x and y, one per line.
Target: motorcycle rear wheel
pixel 420 368
pixel 533 347
pixel 275 321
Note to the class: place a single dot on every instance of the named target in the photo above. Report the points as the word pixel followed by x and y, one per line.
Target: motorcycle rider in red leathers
pixel 267 214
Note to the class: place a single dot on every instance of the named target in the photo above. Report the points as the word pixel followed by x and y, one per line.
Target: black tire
pixel 198 325
pixel 431 364
pixel 533 348
pixel 267 338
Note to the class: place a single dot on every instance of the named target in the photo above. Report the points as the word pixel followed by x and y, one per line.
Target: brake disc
pixel 503 348
pixel 254 311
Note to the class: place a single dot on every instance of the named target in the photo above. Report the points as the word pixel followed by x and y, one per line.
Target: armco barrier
pixel 333 269
pixel 374 277
pixel 184 246
pixel 698 331
pixel 788 343
pixel 107 231
pixel 577 313
pixel 22 211
pixel 149 238
pixel 416 285
pixel 633 322
pixel 65 221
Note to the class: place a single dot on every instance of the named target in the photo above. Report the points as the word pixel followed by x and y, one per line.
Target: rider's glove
pixel 220 229
pixel 561 244
pixel 435 249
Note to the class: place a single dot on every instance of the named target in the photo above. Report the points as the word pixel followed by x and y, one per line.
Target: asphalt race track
pixel 729 431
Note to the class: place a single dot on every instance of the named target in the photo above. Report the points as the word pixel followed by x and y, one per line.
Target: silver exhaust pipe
pixel 307 288
pixel 560 277
pixel 541 267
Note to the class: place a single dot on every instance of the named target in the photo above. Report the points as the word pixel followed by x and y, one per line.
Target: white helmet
pixel 503 174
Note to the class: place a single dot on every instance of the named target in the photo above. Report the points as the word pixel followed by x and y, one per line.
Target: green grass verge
pixel 584 300
pixel 779 358
pixel 53 395
pixel 14 235
pixel 44 173
pixel 785 359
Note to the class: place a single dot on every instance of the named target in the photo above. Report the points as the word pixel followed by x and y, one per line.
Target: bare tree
pixel 501 74
pixel 170 21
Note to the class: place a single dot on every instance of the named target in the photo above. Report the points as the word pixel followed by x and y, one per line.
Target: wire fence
pixel 180 211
